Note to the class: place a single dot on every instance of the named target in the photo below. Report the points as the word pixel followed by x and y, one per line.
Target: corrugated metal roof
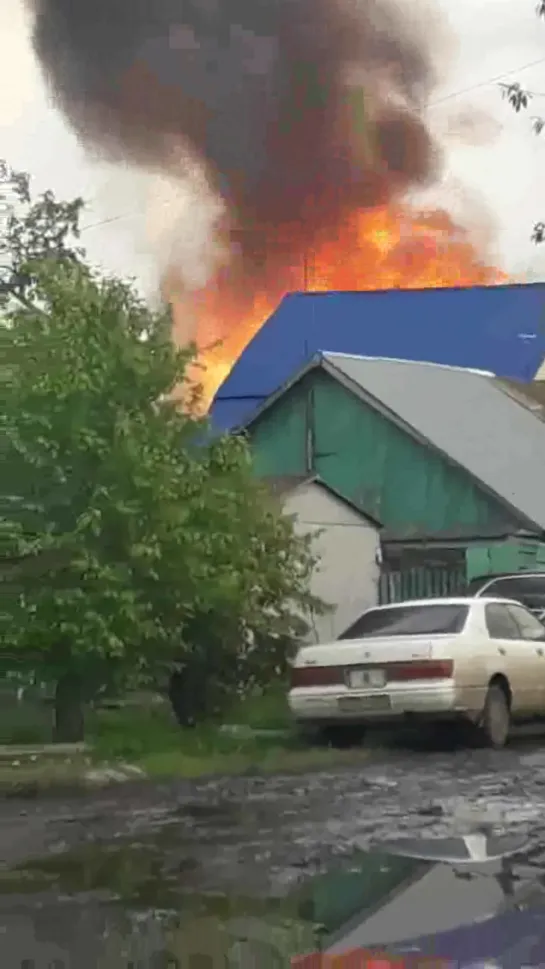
pixel 465 415
pixel 531 395
pixel 499 329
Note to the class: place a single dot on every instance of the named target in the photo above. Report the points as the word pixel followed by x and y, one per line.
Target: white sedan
pixel 479 660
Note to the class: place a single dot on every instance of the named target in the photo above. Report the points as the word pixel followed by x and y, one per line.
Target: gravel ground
pixel 289 821
pixel 262 835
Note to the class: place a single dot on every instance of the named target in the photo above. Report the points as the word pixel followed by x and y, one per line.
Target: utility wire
pixel 491 80
pixel 113 218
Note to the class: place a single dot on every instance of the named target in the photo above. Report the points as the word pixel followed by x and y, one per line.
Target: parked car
pixel 525 587
pixel 478 660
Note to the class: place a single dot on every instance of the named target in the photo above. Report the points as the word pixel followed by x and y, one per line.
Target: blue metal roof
pixel 500 329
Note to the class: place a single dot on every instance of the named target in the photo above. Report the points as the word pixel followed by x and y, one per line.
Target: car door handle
pixel 540 652
pixel 501 650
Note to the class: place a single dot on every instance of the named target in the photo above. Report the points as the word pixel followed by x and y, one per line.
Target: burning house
pixel 498 329
pixel 307 121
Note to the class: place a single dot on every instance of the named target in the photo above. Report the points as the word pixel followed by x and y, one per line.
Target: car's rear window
pixel 409 621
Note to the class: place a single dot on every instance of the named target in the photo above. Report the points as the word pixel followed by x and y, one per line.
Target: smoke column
pixel 300 110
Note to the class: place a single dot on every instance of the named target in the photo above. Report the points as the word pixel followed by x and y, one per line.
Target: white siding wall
pixel 348 572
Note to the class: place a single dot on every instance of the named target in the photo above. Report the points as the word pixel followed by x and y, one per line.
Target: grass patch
pixel 152 740
pixel 149 737
pixel 26 778
pixel 268 711
pixel 138 734
pixel 26 722
pixel 250 759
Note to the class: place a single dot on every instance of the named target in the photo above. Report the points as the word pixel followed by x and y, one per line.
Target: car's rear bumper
pixel 433 701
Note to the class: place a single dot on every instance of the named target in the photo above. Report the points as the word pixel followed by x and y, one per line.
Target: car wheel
pixel 496 718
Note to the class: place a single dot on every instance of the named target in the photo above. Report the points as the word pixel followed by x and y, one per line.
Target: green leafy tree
pixel 520 99
pixel 130 539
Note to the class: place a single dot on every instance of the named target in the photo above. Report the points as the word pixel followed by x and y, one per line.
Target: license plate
pixel 371 704
pixel 366 679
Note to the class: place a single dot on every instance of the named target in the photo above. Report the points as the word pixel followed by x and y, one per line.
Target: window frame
pixel 489 606
pixel 519 607
pixel 519 587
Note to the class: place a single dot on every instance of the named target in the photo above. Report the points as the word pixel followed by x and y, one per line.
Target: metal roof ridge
pixel 511 283
pixel 329 354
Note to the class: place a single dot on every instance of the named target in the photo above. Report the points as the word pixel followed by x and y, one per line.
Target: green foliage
pixel 127 541
pixel 520 99
pixel 32 232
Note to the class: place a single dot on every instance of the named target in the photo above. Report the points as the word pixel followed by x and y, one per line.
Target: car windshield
pixel 528 589
pixel 421 620
pixel 475 585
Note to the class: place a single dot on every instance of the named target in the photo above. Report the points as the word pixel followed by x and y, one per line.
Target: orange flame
pixel 391 247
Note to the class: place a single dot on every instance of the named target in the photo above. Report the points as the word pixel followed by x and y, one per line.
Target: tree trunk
pixel 69 710
pixel 180 699
pixel 189 695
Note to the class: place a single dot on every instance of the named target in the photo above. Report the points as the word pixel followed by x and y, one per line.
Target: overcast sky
pixel 494 169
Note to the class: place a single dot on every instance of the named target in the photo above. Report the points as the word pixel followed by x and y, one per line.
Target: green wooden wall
pixel 515 555
pixel 279 438
pixel 371 461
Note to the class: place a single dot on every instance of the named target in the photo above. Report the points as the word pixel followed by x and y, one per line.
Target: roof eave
pixel 315 363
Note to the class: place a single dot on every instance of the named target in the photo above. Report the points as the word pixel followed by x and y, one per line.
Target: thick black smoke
pixel 259 89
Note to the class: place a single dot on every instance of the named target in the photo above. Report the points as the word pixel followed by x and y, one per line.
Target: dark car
pixel 527 588
pixel 464 901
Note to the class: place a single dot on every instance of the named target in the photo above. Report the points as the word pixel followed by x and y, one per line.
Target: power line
pixel 113 218
pixel 489 81
pixel 116 218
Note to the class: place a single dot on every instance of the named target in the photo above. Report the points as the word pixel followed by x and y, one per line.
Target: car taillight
pixel 302 676
pixel 423 670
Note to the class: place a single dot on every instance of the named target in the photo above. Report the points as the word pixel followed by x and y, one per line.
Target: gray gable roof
pixel 464 414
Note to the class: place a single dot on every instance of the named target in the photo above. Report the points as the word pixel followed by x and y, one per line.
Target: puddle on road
pixel 147 892
pixel 106 904
pixel 151 868
pixel 139 901
pixel 134 874
pixel 148 882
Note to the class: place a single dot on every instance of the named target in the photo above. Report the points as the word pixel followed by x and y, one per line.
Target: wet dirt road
pixel 269 829
pixel 148 845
